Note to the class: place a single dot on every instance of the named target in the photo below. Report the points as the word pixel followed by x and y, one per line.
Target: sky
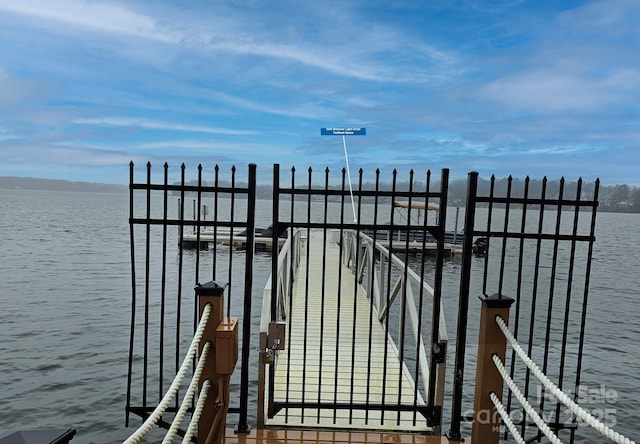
pixel 524 88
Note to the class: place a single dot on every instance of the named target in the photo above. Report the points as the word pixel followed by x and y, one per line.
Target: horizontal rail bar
pixel 534 236
pixel 190 188
pixel 537 201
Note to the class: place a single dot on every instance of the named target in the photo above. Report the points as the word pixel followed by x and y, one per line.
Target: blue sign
pixel 343 131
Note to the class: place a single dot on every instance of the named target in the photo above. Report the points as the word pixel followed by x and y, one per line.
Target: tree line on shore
pixel 620 198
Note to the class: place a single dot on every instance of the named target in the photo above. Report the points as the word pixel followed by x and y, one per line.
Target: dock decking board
pixel 332 437
pixel 307 372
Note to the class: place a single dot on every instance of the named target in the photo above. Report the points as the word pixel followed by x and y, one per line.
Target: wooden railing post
pixel 223 355
pixel 486 420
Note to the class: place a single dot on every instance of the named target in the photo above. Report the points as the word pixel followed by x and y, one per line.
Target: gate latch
pixel 275 340
pixel 439 352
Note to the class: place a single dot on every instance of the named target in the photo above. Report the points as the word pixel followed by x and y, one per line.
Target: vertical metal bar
pixel 503 253
pixel 198 229
pixel 437 285
pixel 403 298
pixel 388 295
pixel 323 287
pixel 489 221
pixel 372 267
pixel 585 297
pixel 355 295
pixel 421 294
pixel 290 326
pixel 306 297
pixel 215 218
pixel 534 295
pixel 133 293
pixel 180 270
pixel 146 289
pixel 552 283
pixel 163 288
pixel 339 296
pixel 231 225
pixel 463 306
pixel 523 225
pixel 505 229
pixel 275 223
pixel 567 306
pixel 243 426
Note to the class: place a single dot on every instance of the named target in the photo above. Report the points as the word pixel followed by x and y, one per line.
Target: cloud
pixel 200 146
pixel 559 89
pixel 15 90
pixel 162 126
pixel 307 110
pixel 97 16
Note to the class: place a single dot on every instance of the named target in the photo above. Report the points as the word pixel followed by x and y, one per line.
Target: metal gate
pixel 380 227
pixel 179 251
pixel 531 241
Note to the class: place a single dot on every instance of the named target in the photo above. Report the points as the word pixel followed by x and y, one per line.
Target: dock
pixel 206 238
pixel 314 437
pixel 353 345
pixel 335 354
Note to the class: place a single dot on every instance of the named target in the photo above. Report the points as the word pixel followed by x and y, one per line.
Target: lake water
pixel 65 292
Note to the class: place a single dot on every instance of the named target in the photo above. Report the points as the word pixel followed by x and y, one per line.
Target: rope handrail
pixel 505 417
pixel 543 426
pixel 175 424
pixel 581 413
pixel 157 413
pixel 191 430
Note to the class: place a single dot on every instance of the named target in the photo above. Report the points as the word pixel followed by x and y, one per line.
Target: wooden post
pixel 491 340
pixel 209 293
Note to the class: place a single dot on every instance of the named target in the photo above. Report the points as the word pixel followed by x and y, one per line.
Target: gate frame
pixel 542 203
pixel 437 349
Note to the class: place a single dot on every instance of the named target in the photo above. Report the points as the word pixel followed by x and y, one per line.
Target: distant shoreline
pixel 35 184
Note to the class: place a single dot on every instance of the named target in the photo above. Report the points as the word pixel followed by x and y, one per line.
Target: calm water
pixel 65 312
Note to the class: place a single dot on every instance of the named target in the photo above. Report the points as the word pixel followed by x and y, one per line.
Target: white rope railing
pixel 580 413
pixel 175 424
pixel 505 417
pixel 544 428
pixel 193 425
pixel 157 413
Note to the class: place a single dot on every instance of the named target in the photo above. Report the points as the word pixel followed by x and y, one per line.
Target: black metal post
pixel 437 287
pixel 243 426
pixel 275 246
pixel 463 306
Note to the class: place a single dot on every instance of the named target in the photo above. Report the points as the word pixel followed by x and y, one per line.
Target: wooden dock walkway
pixel 333 437
pixel 338 358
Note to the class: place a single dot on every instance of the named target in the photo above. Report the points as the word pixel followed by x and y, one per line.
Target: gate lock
pixel 275 341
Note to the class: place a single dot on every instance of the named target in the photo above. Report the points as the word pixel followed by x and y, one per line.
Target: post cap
pixel 497 301
pixel 211 288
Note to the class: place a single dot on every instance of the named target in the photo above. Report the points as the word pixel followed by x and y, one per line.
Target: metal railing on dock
pixel 353 356
pixel 352 330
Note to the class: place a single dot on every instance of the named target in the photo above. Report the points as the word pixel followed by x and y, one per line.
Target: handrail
pixel 580 413
pixel 284 259
pixel 288 256
pixel 216 341
pixel 186 402
pixel 374 293
pixel 155 416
